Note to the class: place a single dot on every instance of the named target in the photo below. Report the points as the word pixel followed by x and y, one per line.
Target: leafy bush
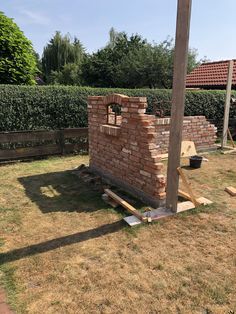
pixel 17 58
pixel 53 107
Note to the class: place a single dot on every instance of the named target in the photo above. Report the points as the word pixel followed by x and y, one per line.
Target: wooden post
pixel 227 103
pixel 62 141
pixel 178 101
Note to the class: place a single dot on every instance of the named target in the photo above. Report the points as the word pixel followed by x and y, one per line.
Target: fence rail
pixel 19 145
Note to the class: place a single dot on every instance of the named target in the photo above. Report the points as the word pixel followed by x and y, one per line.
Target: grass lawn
pixel 63 250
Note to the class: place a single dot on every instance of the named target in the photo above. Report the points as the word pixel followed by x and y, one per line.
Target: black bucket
pixel 195 161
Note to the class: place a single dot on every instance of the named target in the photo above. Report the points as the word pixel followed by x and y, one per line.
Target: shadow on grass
pixel 61 242
pixel 61 191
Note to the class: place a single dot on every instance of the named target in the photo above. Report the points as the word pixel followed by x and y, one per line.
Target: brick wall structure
pixel 127 154
pixel 195 128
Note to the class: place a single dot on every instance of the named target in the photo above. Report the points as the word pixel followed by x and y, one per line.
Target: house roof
pixel 211 74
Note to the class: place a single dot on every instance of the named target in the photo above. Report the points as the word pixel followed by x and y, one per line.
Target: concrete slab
pixel 158 213
pixel 132 221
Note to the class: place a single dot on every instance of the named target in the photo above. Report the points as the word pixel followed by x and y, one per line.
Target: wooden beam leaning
pixel 227 103
pixel 188 187
pixel 231 138
pixel 178 101
pixel 125 204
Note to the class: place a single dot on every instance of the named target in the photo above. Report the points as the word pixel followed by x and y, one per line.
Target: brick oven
pixel 125 144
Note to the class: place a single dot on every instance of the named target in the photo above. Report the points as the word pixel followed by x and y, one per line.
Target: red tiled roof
pixel 210 74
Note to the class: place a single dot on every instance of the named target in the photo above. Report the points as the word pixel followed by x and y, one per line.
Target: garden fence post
pixel 227 103
pixel 178 101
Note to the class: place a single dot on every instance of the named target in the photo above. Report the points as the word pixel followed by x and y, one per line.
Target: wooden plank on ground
pixel 230 151
pixel 125 204
pixel 184 195
pixel 18 153
pixel 226 146
pixel 201 200
pixel 231 190
pixel 181 207
pixel 204 201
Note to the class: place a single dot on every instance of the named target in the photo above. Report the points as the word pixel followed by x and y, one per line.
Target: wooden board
pixel 109 200
pixel 29 136
pixel 188 149
pixel 230 151
pixel 231 138
pixel 201 200
pixel 188 187
pixel 204 201
pixel 184 195
pixel 30 152
pixel 30 148
pixel 125 204
pixel 77 132
pixel 181 207
pixel 231 190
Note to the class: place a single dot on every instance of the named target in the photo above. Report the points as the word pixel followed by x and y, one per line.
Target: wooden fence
pixel 20 145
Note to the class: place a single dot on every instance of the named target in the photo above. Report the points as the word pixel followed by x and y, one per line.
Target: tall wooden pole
pixel 178 101
pixel 227 103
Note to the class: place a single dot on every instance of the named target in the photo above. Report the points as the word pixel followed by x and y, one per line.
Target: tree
pixel 69 75
pixel 192 59
pixel 17 60
pixel 132 62
pixel 38 63
pixel 100 68
pixel 59 52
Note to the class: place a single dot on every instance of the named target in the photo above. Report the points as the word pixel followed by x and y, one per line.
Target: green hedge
pixel 53 107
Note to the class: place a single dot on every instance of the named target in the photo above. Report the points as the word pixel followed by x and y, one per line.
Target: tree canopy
pixel 62 59
pixel 125 61
pixel 17 59
pixel 132 62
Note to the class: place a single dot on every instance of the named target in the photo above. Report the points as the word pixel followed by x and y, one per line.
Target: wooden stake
pixel 231 138
pixel 188 187
pixel 227 103
pixel 178 101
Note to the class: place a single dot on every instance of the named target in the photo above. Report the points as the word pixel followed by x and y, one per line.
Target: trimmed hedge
pixel 54 107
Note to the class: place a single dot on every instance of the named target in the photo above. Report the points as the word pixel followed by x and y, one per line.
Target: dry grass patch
pixel 64 251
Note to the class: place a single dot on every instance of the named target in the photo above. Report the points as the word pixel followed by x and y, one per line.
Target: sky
pixel 213 22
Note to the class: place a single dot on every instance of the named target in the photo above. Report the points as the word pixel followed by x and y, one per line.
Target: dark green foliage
pixel 62 59
pixel 53 107
pixel 132 62
pixel 17 59
pixel 125 62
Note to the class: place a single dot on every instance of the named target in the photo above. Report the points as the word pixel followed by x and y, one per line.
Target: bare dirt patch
pixel 63 250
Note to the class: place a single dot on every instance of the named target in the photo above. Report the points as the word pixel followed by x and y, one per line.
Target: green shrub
pixel 17 58
pixel 53 107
